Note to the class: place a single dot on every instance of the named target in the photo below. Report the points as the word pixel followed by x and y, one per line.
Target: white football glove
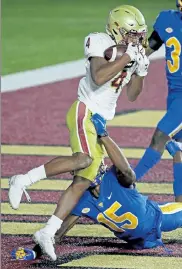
pixel 132 51
pixel 141 50
pixel 143 65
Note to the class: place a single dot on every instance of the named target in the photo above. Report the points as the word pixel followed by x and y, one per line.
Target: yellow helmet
pixel 125 24
pixel 179 4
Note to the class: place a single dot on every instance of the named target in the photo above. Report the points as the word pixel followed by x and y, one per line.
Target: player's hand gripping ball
pixel 116 52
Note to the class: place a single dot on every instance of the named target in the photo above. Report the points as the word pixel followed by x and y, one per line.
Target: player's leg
pixel 80 184
pixel 65 205
pixel 170 124
pixel 81 158
pixel 71 196
pixel 175 150
pixel 35 253
pixel 67 225
pixel 171 216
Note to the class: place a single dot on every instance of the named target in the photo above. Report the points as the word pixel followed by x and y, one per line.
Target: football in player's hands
pixel 114 52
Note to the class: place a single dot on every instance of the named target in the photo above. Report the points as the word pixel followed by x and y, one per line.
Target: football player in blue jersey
pixel 168 31
pixel 114 202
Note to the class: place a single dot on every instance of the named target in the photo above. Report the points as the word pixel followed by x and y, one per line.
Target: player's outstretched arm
pixel 118 158
pixel 113 151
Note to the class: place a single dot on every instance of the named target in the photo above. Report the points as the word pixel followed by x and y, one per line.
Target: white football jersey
pixel 101 99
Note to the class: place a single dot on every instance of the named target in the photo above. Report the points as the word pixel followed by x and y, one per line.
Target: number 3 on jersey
pixel 174 65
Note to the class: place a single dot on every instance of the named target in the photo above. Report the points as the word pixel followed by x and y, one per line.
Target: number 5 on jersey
pixel 111 219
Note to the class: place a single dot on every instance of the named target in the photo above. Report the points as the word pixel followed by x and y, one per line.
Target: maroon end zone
pixel 37 116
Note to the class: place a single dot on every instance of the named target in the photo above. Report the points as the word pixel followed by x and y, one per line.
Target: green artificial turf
pixel 38 33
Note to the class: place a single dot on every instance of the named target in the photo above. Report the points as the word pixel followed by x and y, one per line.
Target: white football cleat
pixel 46 242
pixel 17 185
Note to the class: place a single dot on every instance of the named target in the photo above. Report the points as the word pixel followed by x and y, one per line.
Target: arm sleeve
pixel 155 41
pixel 95 45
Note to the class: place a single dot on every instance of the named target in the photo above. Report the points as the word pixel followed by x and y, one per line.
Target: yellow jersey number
pixel 174 65
pixel 112 219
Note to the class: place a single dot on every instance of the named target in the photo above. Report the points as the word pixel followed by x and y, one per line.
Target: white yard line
pixel 50 74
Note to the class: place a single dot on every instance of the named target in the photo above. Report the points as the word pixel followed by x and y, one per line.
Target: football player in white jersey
pixel 98 92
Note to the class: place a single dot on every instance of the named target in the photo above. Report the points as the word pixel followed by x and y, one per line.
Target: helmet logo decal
pixel 116 23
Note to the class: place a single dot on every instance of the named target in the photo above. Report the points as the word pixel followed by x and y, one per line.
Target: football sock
pixel 150 158
pixel 53 224
pixel 177 184
pixel 37 174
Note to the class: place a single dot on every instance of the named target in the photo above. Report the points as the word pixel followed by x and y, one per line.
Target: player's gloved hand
pixel 23 254
pixel 100 125
pixel 132 51
pixel 143 65
pixel 173 146
pixel 141 51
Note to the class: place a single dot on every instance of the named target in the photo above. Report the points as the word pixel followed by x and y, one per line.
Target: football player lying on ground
pixel 115 203
pixel 167 30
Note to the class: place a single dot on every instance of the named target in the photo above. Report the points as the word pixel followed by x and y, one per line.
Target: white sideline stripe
pixel 42 75
pixel 50 74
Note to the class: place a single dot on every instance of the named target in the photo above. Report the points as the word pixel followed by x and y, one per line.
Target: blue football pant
pixel 171 217
pixel 171 123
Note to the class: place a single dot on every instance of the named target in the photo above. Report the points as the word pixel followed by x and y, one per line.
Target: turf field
pixel 33 131
pixel 38 33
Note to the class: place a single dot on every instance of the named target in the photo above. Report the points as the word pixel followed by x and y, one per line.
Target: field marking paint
pixel 52 74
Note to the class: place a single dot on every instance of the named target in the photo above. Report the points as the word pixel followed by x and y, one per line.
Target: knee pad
pixel 173 147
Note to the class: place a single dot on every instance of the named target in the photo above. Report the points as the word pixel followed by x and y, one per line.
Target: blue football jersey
pixel 124 211
pixel 169 27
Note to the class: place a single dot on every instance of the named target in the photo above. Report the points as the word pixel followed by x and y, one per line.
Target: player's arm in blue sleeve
pixel 119 160
pixel 113 151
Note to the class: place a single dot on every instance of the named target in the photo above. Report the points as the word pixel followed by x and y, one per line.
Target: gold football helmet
pixel 126 24
pixel 179 4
